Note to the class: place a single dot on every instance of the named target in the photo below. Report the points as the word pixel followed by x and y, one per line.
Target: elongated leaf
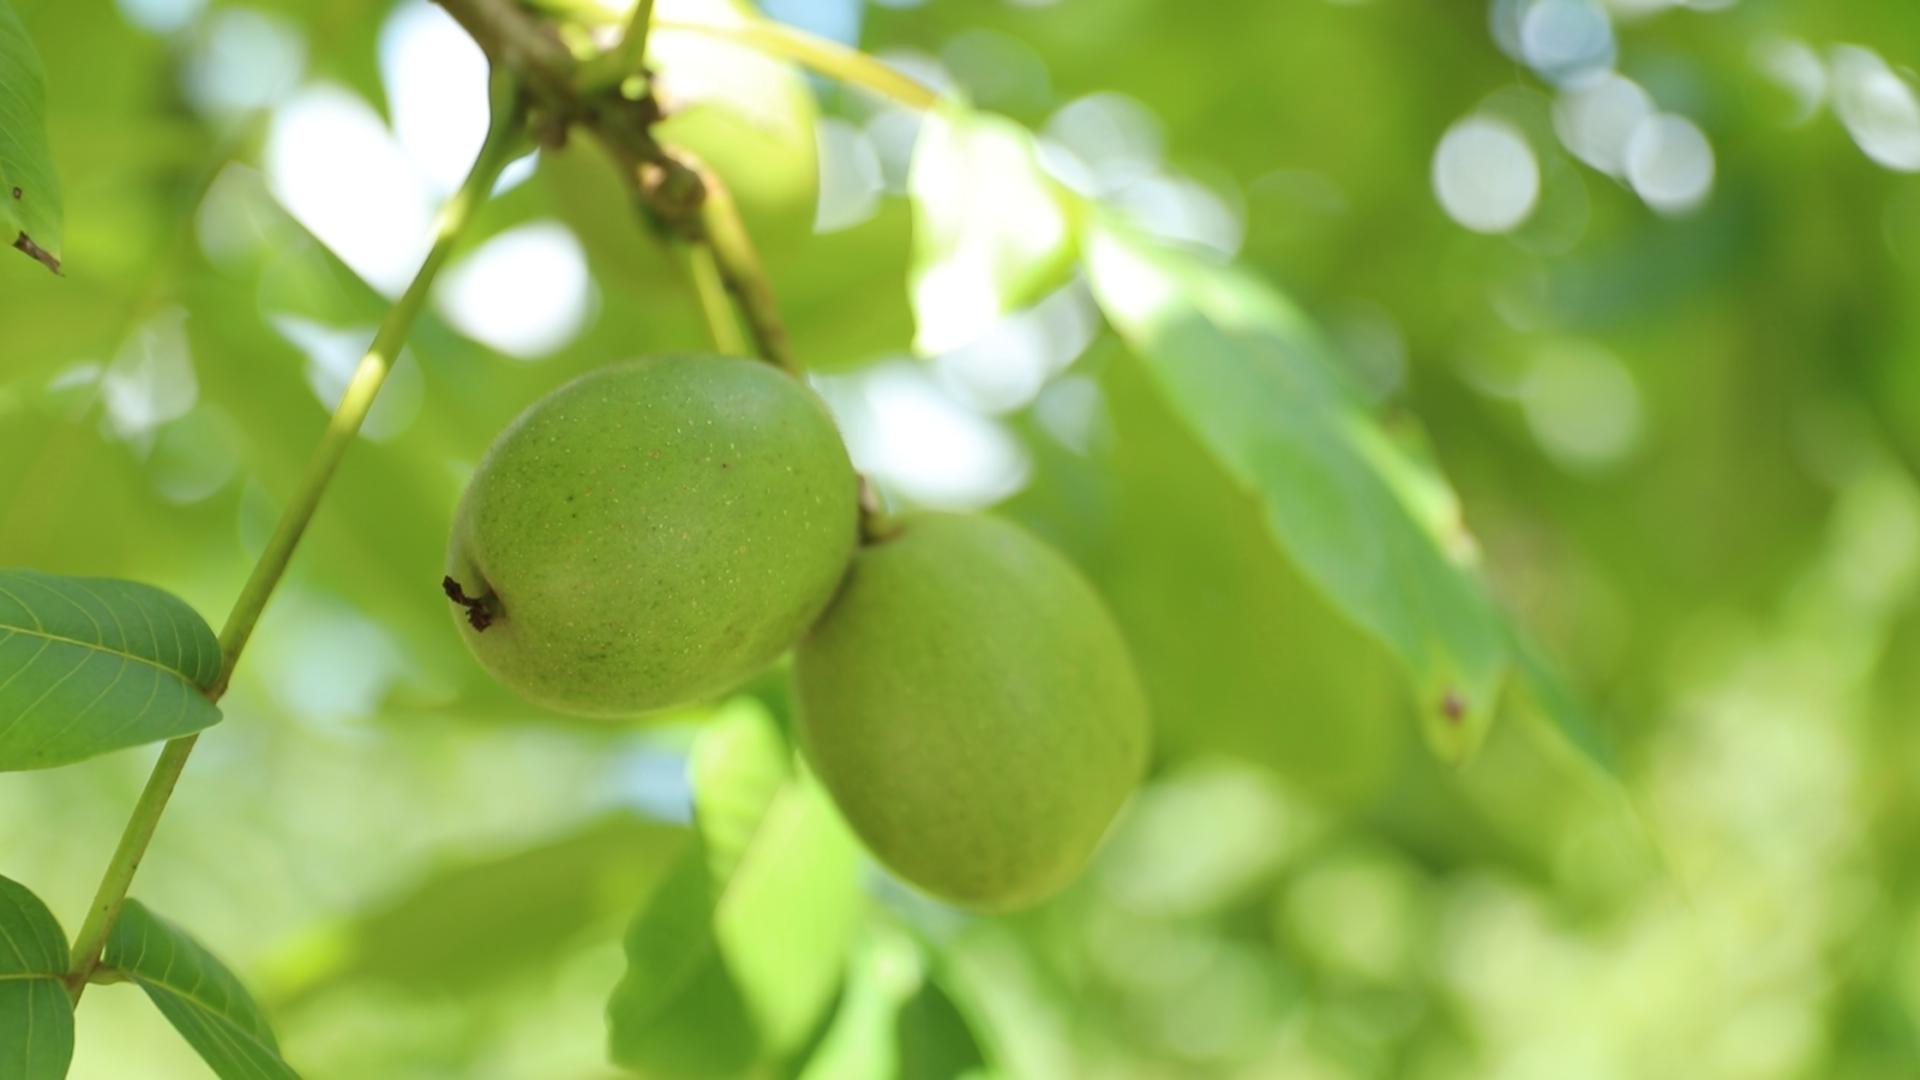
pixel 936 1040
pixel 496 919
pixel 36 1016
pixel 1017 1019
pixel 738 767
pixel 787 917
pixel 1230 636
pixel 29 192
pixel 859 1043
pixel 678 1011
pixel 89 665
pixel 197 994
pixel 894 1022
pixel 1563 709
pixel 1364 515
pixel 726 973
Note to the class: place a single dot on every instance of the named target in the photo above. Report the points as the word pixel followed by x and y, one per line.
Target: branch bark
pixel 676 191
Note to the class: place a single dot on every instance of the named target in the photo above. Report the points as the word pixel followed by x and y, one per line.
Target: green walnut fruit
pixel 651 534
pixel 970 704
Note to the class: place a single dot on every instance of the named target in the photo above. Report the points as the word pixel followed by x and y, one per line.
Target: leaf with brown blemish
pixel 1355 501
pixel 33 213
pixel 24 243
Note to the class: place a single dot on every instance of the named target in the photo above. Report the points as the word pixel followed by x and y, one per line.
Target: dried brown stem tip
pixel 480 610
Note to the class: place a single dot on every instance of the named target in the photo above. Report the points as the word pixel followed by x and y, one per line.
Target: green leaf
pixel 1362 513
pixel 990 235
pixel 492 919
pixel 936 1041
pixel 197 994
pixel 678 1011
pixel 1563 709
pixel 725 973
pixel 893 1022
pixel 29 191
pixel 788 915
pixel 738 766
pixel 36 1015
pixel 89 665
pixel 1240 652
pixel 858 1043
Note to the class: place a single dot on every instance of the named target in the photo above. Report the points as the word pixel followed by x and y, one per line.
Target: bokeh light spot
pixel 1581 404
pixel 1798 70
pixel 909 434
pixel 1485 175
pixel 1005 368
pixel 333 353
pixel 525 292
pixel 1878 108
pixel 1595 121
pixel 196 456
pixel 151 380
pixel 436 81
pixel 1102 142
pixel 851 178
pixel 1568 42
pixel 332 164
pixel 160 16
pixel 242 59
pixel 1670 163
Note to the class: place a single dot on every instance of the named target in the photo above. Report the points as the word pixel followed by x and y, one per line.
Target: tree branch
pixel 676 191
pixel 733 252
pixel 711 288
pixel 513 38
pixel 503 137
pixel 673 189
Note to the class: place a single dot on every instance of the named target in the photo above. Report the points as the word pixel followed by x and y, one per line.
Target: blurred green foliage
pixel 1683 440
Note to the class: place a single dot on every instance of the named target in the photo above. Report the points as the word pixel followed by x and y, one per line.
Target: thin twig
pixel 876 525
pixel 723 230
pixel 502 139
pixel 633 44
pixel 675 190
pixel 712 292
pixel 826 57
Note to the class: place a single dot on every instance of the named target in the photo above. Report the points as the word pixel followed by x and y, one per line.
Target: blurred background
pixel 1642 270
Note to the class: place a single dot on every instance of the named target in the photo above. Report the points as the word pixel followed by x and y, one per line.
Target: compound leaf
pixel 36 1015
pixel 89 665
pixel 30 207
pixel 203 1001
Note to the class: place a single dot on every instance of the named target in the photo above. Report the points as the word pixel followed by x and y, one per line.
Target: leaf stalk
pixel 503 139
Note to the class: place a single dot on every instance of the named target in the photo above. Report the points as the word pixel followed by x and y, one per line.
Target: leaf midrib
pixel 98 647
pixel 200 1005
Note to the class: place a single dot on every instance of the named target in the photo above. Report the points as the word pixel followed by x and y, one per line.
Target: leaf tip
pixel 24 243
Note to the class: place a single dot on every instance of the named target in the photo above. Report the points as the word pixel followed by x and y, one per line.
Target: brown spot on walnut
pixel 17 193
pixel 1453 707
pixel 481 610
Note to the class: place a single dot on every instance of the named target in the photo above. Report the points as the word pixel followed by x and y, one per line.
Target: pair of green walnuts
pixel 656 532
